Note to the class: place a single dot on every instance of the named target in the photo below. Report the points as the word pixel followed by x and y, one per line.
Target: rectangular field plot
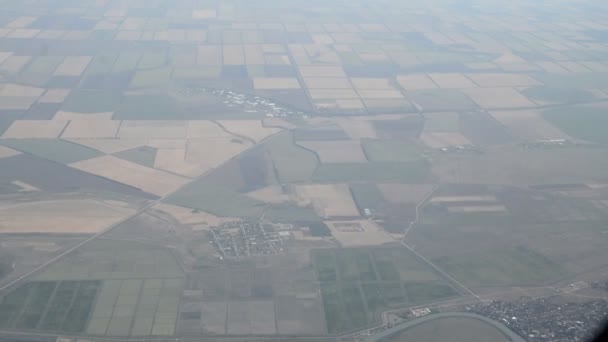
pixel 48 305
pixel 358 283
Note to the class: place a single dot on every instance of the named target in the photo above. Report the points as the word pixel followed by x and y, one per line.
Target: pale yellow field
pixel 127 35
pixel 322 71
pixel 54 96
pixel 21 22
pixel 405 193
pixel 186 216
pixel 254 55
pixel 151 129
pixel 528 125
pixel 168 143
pixel 6 152
pixel 21 33
pixel 73 66
pixel 452 80
pixel 147 179
pixel 16 90
pixel 174 160
pixel 252 129
pixel 270 194
pixel 329 200
pixel 327 83
pixel 358 233
pixel 496 98
pixel 416 82
pixel 380 94
pixel 16 103
pixel 205 129
pixel 66 116
pixel 270 83
pixel 339 151
pixel 93 128
pixel 234 55
pixel 209 55
pixel 503 80
pixel 357 129
pixel 22 129
pixel 110 145
pixel 210 153
pixel 443 139
pixel 371 83
pixel 349 104
pixel 204 13
pixel 320 94
pixel 82 216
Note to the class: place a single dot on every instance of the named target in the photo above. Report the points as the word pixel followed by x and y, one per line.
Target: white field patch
pixel 147 179
pixel 6 152
pixel 16 103
pixel 25 187
pixel 338 151
pixel 498 98
pixel 327 83
pixel 21 22
pixel 153 129
pixel 357 129
pixel 452 80
pixel 275 83
pixel 54 96
pixel 82 216
pixel 503 80
pixel 23 129
pixel 93 128
pixel 110 146
pixel 528 125
pixel 358 233
pixel 270 194
pixel 444 139
pixel 14 64
pixel 73 66
pixel 16 90
pixel 329 200
pixel 252 129
pixel 199 220
pixel 416 82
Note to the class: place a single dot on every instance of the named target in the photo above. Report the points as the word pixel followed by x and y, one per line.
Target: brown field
pixel 327 83
pixel 54 96
pixel 110 145
pixel 496 98
pixel 94 128
pixel 252 129
pixel 6 152
pixel 357 129
pixel 270 194
pixel 319 94
pixel 200 220
pixel 444 139
pixel 358 233
pixel 405 193
pixel 339 151
pixel 16 90
pixel 73 66
pixel 528 125
pixel 271 83
pixel 147 179
pixel 151 129
pixel 503 80
pixel 82 216
pixel 204 129
pixel 22 129
pixel 452 80
pixel 329 200
pixel 416 82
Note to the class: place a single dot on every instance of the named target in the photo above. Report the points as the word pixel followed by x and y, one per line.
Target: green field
pixel 92 101
pixel 405 172
pixel 57 150
pixel 391 151
pixel 359 283
pixel 501 267
pixel 151 78
pixel 292 163
pixel 586 80
pixel 51 306
pixel 587 123
pixel 144 155
pixel 289 213
pixel 367 195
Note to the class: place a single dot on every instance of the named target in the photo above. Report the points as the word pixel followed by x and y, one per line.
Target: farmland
pixel 282 170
